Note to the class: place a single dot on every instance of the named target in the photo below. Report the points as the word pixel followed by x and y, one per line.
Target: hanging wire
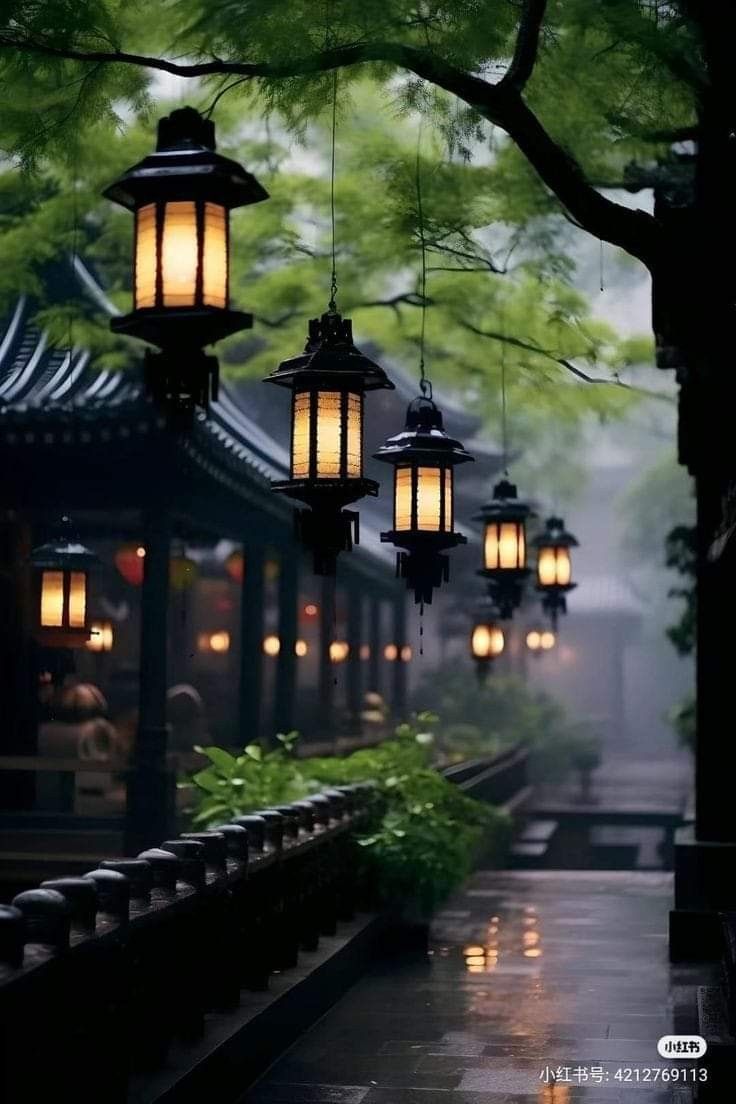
pixel 600 262
pixel 504 418
pixel 424 383
pixel 333 277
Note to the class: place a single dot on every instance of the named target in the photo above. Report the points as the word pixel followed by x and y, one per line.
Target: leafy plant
pixel 424 835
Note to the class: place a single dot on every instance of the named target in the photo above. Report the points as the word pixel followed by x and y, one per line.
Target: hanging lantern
pixel 424 459
pixel 487 640
pixel 554 566
pixel 504 546
pixel 62 576
pixel 539 640
pixel 101 637
pixel 328 382
pixel 130 562
pixel 235 566
pixel 181 196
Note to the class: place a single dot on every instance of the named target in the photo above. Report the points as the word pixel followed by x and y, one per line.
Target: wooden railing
pixel 104 977
pixel 500 780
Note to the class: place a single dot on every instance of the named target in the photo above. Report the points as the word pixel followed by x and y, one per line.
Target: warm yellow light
pixel 531 938
pixel 179 254
pixel 220 642
pixel 402 499
pixel 533 640
pixel 554 567
pixel 77 600
pixel 533 952
pixel 329 434
pixel 428 498
pixel 487 641
pixel 391 652
pixel 301 648
pixel 339 651
pixel 475 969
pixel 476 960
pixel 52 599
pixel 449 507
pixel 145 256
pixel 547 640
pixel 140 552
pixel 101 637
pixel 311 610
pixel 355 436
pixel 473 951
pixel 365 651
pixel 406 653
pixel 504 545
pixel 302 420
pixel 214 256
pixel 271 645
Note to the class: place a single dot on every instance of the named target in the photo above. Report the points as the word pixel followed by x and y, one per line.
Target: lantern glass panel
pixel 554 567
pixel 145 256
pixel 302 420
pixel 429 494
pixel 52 599
pixel 402 499
pixel 504 546
pixel 214 256
pixel 355 436
pixel 487 641
pixel 179 254
pixel 77 599
pixel 449 507
pixel 329 434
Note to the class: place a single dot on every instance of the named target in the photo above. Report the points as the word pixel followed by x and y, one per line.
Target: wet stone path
pixel 527 972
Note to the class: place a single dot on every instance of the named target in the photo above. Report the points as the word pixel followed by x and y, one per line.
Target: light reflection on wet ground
pixel 528 974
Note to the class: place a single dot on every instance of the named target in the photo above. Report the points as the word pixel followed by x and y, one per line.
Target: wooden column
pixel 251 646
pixel 398 702
pixel 354 662
pixel 326 671
pixel 376 645
pixel 285 696
pixel 150 804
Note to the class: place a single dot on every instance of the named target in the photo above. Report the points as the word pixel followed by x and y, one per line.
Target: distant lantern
pixel 181 196
pixel 487 640
pixel 327 383
pixel 504 546
pixel 301 648
pixel 271 645
pixel 424 459
pixel 339 651
pixel 391 653
pixel 554 566
pixel 101 637
pixel 235 566
pixel 406 653
pixel 130 562
pixel 62 587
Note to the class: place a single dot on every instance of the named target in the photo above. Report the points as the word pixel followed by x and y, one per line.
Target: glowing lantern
pixel 339 650
pixel 406 653
pixel 540 640
pixel 554 566
pixel 505 546
pixel 271 645
pixel 301 648
pixel 487 640
pixel 181 196
pixel 129 560
pixel 62 575
pixel 424 460
pixel 101 637
pixel 328 382
pixel 365 651
pixel 391 653
pixel 235 566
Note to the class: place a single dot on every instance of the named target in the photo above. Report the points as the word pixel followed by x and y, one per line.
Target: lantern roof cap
pixel 63 555
pixel 330 358
pixel 554 533
pixel 186 165
pixel 423 438
pixel 505 505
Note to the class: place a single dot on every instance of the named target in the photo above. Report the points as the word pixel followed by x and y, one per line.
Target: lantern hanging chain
pixel 425 384
pixel 333 278
pixel 504 419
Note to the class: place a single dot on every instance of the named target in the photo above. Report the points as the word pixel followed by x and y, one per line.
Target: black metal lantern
pixel 505 546
pixel 424 460
pixel 487 640
pixel 61 593
pixel 181 197
pixel 328 381
pixel 554 566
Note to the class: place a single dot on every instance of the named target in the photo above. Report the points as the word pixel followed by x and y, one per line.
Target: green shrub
pixel 425 833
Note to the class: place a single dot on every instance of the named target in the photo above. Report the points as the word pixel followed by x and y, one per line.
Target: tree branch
pixel 501 104
pixel 527 46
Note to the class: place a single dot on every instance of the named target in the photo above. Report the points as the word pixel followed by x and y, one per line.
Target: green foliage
pixel 683 719
pixel 481 719
pixel 425 833
pixel 681 554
